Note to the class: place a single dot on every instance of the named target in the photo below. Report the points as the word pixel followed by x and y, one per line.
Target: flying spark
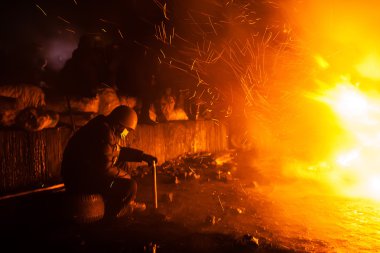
pixel 41 9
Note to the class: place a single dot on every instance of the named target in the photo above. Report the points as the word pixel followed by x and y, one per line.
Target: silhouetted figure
pixel 91 158
pixel 86 70
pixel 132 69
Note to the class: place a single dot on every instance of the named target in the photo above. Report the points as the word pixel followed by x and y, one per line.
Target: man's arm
pixel 135 155
pixel 130 155
pixel 108 153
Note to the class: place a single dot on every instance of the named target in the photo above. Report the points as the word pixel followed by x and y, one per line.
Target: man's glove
pixel 149 159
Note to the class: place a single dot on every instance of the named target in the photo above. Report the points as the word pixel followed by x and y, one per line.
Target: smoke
pixel 57 50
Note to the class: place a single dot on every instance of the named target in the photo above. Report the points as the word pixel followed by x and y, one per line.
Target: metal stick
pixel 155 185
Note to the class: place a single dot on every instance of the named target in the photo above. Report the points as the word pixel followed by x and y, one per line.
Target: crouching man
pixel 90 158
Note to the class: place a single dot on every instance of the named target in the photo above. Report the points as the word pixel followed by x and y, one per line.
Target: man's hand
pixel 124 174
pixel 149 159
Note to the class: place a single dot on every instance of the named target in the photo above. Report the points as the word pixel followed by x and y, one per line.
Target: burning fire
pixel 345 134
pixel 355 166
pixel 265 47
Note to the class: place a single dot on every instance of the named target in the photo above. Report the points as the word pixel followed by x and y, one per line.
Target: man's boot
pixel 130 208
pixel 138 206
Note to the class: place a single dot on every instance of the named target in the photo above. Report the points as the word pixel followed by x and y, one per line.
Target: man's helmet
pixel 125 116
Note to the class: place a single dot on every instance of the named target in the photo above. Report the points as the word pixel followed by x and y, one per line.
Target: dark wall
pixel 32 160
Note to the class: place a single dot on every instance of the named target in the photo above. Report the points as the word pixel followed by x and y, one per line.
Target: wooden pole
pixel 54 187
pixel 155 185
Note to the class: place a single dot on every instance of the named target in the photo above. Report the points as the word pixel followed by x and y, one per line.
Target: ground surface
pixel 194 215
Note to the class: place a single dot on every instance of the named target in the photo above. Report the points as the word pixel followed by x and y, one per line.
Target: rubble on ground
pixel 218 166
pixel 248 241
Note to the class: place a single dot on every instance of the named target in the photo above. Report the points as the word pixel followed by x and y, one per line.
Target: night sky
pixel 43 33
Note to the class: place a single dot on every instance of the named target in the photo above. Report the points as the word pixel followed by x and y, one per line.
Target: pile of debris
pixel 195 166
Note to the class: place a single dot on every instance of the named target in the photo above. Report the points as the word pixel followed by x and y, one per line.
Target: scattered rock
pixel 151 247
pixel 210 220
pixel 236 210
pixel 167 197
pixel 248 241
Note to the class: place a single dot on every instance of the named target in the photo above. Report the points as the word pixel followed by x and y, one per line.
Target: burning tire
pixel 85 208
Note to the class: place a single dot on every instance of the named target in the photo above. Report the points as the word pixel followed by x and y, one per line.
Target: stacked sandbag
pixel 33 119
pixel 79 110
pixel 170 110
pixel 60 104
pixel 8 110
pixel 73 110
pixel 26 107
pixel 128 101
pixel 108 100
pixel 27 95
pixel 22 106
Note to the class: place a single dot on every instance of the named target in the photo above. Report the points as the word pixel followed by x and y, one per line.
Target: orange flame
pixel 356 165
pixel 345 35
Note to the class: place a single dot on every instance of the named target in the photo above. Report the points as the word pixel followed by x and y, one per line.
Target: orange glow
pixel 322 62
pixel 370 67
pixel 347 101
pixel 334 137
pixel 355 165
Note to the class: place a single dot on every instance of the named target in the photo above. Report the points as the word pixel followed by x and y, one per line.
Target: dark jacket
pixel 91 154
